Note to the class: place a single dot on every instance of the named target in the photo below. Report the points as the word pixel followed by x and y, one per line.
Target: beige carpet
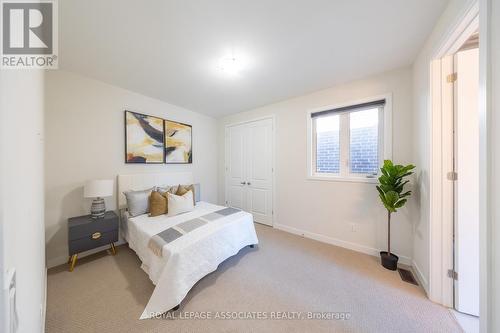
pixel 284 273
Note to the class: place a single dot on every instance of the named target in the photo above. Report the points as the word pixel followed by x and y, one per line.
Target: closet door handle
pixel 249 183
pixel 243 183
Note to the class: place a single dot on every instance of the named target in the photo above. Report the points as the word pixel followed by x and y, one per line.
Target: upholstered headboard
pixel 142 181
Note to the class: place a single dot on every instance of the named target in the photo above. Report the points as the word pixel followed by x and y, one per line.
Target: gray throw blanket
pixel 169 235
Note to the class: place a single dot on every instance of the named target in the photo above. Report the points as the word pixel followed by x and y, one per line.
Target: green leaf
pixel 391 198
pixel 406 174
pixel 385 188
pixel 406 194
pixel 382 198
pixel 400 203
pixel 384 179
pixel 399 188
pixel 384 172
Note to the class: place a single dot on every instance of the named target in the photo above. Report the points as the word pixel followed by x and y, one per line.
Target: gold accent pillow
pixel 163 189
pixel 183 189
pixel 158 204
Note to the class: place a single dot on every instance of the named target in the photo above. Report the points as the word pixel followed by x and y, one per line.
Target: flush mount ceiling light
pixel 232 64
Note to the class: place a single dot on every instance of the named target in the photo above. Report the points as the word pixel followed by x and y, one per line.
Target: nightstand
pixel 86 233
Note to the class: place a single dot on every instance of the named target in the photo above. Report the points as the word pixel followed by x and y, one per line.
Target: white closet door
pixel 259 170
pixel 249 169
pixel 236 177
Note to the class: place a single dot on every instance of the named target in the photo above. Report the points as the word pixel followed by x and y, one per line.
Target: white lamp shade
pixel 98 188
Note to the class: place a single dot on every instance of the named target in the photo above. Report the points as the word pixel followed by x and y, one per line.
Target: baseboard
pixel 43 306
pixel 420 277
pixel 61 260
pixel 338 242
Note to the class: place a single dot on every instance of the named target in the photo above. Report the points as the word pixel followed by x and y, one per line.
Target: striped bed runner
pixel 158 241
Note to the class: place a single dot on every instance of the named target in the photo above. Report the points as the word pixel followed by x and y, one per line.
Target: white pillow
pixel 178 204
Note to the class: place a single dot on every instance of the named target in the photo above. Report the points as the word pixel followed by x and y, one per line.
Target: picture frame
pixel 144 138
pixel 178 142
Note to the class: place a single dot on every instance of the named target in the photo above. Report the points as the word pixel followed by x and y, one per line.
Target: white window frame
pixel 385 141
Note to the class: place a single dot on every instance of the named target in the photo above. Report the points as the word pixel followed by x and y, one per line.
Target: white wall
pixel 325 209
pixel 494 292
pixel 21 187
pixel 421 131
pixel 85 140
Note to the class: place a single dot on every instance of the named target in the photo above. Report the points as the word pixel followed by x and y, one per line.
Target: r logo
pixel 27 28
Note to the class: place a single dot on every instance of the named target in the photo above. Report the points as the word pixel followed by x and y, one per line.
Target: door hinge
pixel 451 78
pixel 452 175
pixel 452 274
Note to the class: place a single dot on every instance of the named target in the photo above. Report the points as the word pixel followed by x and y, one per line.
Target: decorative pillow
pixel 137 202
pixel 183 189
pixel 178 204
pixel 157 204
pixel 163 189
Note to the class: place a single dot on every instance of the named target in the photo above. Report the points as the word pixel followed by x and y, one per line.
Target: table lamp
pixel 98 189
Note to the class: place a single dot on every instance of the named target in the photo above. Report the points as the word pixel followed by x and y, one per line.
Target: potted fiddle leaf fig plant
pixel 393 196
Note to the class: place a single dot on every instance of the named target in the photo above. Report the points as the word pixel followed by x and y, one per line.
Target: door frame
pixel 271 117
pixel 441 155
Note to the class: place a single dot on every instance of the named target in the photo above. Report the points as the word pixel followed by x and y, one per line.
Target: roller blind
pixel 356 107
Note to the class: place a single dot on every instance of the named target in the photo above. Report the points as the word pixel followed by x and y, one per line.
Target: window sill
pixel 344 179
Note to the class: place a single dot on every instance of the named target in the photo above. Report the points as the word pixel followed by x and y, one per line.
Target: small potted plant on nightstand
pixel 392 194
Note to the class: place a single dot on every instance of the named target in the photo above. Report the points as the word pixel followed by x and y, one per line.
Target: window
pixel 364 142
pixel 348 142
pixel 328 144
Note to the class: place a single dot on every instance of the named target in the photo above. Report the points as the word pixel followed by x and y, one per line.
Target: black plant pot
pixel 389 261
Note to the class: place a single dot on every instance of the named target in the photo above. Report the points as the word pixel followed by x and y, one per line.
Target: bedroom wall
pixel 85 140
pixel 335 205
pixel 490 290
pixel 422 135
pixel 22 240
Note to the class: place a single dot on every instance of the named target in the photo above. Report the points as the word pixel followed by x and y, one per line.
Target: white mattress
pixel 190 257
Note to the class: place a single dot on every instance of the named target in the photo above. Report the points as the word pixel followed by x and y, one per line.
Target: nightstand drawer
pixel 92 241
pixel 84 226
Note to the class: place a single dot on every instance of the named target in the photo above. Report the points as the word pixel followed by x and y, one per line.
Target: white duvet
pixel 189 258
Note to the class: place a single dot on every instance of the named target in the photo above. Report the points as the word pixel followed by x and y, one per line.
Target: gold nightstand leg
pixel 113 248
pixel 73 262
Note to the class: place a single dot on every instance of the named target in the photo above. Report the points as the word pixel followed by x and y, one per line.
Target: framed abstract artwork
pixel 144 137
pixel 178 143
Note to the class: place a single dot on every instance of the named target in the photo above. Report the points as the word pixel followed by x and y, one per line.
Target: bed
pixel 189 258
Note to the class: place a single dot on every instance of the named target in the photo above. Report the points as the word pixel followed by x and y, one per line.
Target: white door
pixel 236 168
pixel 249 169
pixel 467 183
pixel 260 171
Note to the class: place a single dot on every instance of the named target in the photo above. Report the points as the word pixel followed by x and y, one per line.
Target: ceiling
pixel 171 50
